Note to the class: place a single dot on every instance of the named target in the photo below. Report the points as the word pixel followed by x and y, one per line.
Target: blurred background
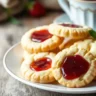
pixel 32 8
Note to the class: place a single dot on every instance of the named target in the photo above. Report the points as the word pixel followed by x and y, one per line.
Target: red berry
pixel 37 10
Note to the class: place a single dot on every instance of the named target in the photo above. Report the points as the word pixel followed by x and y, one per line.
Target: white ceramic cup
pixel 80 11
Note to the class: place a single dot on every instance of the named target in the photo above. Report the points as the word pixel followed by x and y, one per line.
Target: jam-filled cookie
pixel 40 40
pixel 68 30
pixel 75 66
pixel 26 54
pixel 37 68
pixel 67 42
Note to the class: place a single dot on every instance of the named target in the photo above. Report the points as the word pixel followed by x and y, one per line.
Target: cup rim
pixel 84 1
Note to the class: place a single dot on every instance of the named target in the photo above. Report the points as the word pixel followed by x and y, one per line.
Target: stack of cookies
pixel 59 52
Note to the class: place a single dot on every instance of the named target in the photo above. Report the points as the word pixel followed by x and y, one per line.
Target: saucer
pixel 62 18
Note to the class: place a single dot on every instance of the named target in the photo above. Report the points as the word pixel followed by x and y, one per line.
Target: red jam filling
pixel 41 64
pixel 71 25
pixel 40 36
pixel 74 66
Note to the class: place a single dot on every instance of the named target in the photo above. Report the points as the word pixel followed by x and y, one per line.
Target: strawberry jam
pixel 71 25
pixel 74 66
pixel 40 36
pixel 41 64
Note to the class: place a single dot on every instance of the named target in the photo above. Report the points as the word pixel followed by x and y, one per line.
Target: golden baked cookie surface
pixel 84 50
pixel 34 47
pixel 34 73
pixel 69 30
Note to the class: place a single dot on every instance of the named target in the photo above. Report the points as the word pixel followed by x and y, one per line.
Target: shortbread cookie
pixel 67 42
pixel 75 66
pixel 68 30
pixel 27 54
pixel 40 40
pixel 37 68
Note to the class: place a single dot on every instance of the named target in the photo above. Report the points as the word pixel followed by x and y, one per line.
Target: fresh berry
pixel 37 10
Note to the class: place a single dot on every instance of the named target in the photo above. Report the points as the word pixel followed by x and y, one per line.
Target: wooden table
pixel 9 35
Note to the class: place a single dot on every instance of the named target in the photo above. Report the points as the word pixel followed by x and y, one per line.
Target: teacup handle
pixel 64 5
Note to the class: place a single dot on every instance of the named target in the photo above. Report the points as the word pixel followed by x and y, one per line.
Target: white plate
pixel 12 64
pixel 62 18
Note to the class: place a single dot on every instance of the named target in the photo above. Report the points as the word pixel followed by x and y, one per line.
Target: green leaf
pixel 14 21
pixel 30 5
pixel 93 33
